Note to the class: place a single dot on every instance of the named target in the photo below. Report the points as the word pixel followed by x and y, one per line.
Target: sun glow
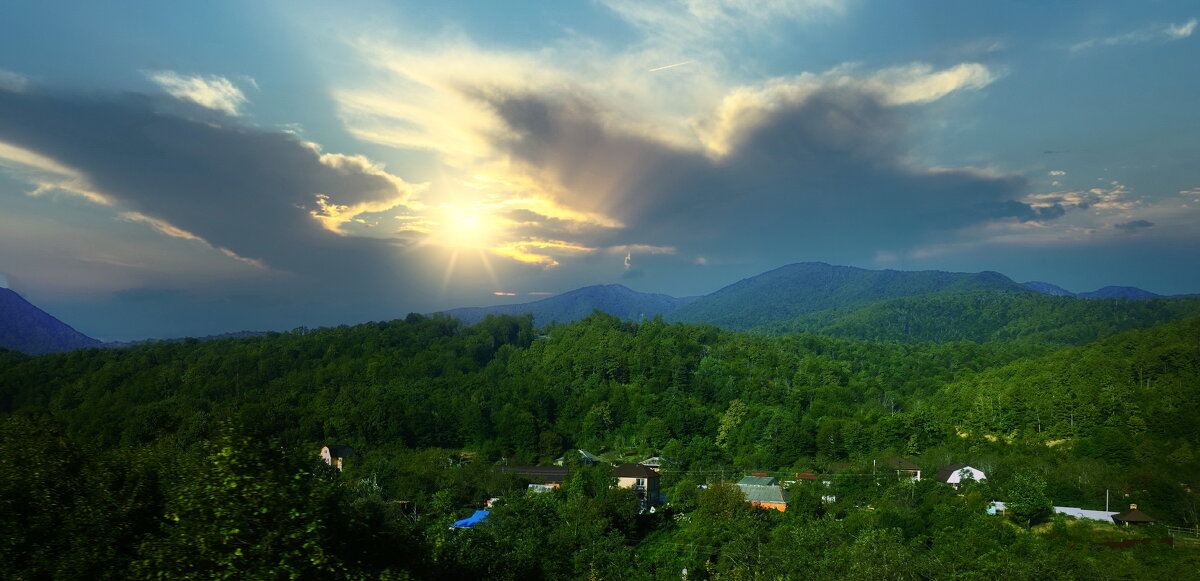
pixel 465 229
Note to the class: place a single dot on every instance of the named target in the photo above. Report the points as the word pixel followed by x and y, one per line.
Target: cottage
pixel 903 468
pixel 641 480
pixel 954 474
pixel 336 455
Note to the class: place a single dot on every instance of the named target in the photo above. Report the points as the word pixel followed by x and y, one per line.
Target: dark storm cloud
pixel 828 170
pixel 239 188
pixel 244 189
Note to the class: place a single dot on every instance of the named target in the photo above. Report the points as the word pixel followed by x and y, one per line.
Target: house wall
pixel 779 506
pixel 648 488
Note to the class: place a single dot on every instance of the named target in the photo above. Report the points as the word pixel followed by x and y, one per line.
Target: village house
pixel 335 456
pixel 903 468
pixel 764 492
pixel 641 479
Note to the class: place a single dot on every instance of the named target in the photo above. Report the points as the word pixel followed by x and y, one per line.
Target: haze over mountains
pixel 888 305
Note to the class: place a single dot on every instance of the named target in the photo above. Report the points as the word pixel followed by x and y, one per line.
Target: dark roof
pixel 634 471
pixel 756 480
pixel 1134 516
pixel 944 474
pixel 806 476
pixel 900 464
pixel 537 473
pixel 337 451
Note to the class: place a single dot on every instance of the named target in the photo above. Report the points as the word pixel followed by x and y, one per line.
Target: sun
pixel 465 229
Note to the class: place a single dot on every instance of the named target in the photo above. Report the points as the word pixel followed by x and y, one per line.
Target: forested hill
pixel 614 299
pixel 787 292
pixel 982 316
pixel 181 459
pixel 26 328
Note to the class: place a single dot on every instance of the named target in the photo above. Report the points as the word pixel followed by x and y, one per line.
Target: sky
pixel 185 169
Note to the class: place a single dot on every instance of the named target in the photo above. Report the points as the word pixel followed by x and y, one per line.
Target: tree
pixel 245 512
pixel 1027 500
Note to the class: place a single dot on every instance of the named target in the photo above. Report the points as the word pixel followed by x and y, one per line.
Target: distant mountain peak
pixel 28 329
pixel 1047 288
pixel 1119 292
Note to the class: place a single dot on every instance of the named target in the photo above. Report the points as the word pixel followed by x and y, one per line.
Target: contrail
pixel 671 66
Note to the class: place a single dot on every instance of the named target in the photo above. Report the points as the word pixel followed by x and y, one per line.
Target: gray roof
pixel 759 481
pixel 758 493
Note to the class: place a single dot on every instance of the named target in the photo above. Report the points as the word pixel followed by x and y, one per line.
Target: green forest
pixel 199 459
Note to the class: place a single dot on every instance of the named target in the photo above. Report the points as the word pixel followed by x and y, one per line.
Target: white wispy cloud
pixel 1155 33
pixel 166 228
pixel 744 107
pixel 209 91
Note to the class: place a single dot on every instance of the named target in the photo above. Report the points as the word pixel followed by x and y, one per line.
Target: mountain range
pixel 887 305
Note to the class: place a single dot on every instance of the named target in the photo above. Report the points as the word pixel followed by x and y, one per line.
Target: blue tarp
pixel 471 520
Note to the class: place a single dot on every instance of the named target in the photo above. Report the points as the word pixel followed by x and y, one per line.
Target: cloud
pixel 10 81
pixel 1056 172
pixel 209 91
pixel 746 107
pixel 1133 225
pixel 252 195
pixel 1157 33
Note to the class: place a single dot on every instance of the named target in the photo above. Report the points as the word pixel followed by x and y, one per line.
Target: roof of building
pixel 900 464
pixel 1133 515
pixel 1102 515
pixel 953 473
pixel 806 476
pixel 754 480
pixel 655 461
pixel 630 470
pixel 537 473
pixel 760 493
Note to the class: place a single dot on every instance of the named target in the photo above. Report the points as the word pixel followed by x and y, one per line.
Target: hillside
pixel 614 299
pixel 981 316
pixel 787 292
pixel 169 456
pixel 28 329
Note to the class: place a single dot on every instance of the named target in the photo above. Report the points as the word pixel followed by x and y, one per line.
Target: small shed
pixel 1133 516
